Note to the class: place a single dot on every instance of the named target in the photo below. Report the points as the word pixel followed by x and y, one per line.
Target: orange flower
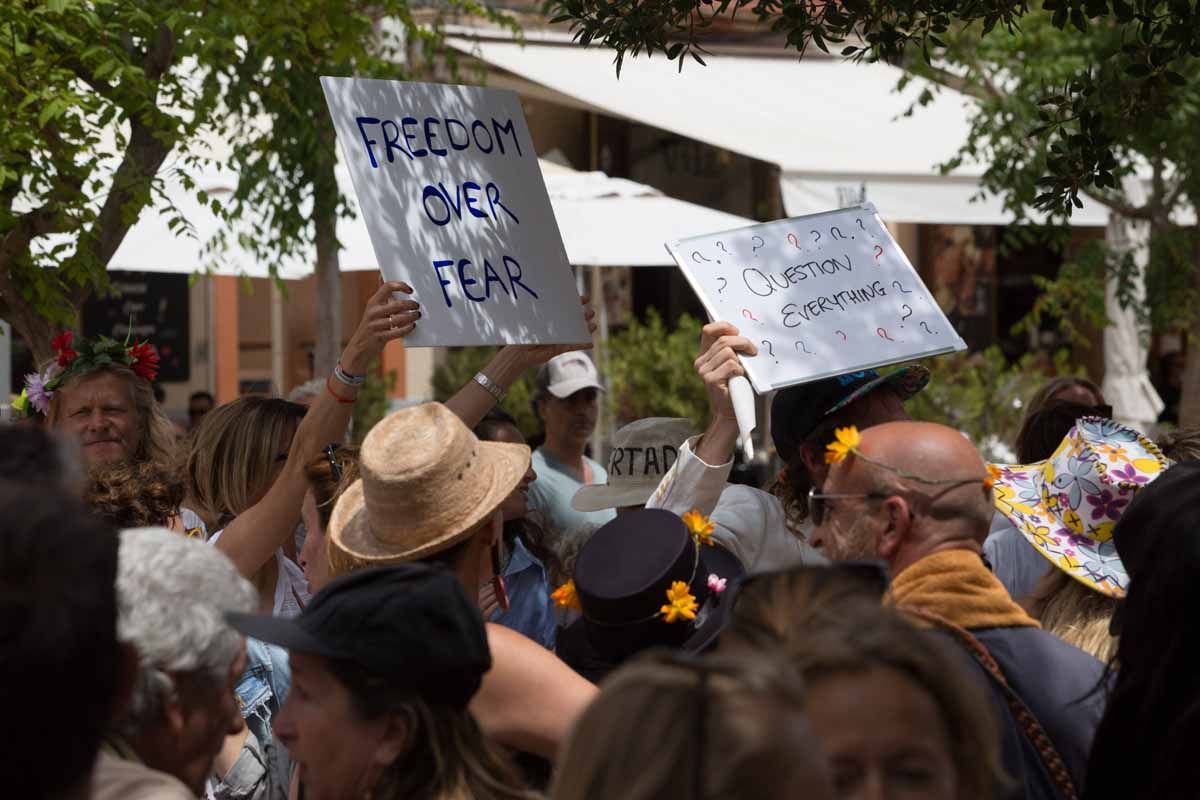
pixel 993 476
pixel 845 443
pixel 565 596
pixel 681 604
pixel 699 526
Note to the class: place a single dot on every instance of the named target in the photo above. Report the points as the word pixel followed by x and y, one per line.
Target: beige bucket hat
pixel 426 483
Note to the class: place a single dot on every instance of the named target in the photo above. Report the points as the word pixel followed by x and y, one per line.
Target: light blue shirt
pixel 530 610
pixel 1016 562
pixel 551 494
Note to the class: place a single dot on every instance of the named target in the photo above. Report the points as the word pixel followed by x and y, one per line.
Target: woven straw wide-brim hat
pixel 1067 506
pixel 426 483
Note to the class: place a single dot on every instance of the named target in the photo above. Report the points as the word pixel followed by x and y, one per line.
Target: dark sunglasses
pixel 819 505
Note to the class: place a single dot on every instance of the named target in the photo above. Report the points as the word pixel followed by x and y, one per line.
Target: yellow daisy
pixel 565 596
pixel 699 526
pixel 681 604
pixel 846 441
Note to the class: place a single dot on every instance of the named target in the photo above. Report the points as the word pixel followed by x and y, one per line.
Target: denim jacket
pixel 263 767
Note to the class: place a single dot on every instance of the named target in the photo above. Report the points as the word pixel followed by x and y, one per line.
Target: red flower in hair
pixel 145 360
pixel 62 346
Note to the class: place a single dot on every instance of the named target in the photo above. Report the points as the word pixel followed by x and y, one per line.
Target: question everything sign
pixel 824 294
pixel 455 204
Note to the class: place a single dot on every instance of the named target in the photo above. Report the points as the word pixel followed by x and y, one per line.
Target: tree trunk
pixel 1189 401
pixel 329 284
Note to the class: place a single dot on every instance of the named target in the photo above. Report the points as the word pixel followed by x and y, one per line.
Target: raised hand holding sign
pixel 821 295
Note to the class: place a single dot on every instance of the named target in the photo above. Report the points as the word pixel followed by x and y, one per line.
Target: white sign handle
pixel 742 396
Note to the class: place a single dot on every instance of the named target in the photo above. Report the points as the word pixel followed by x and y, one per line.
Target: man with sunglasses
pixel 918 496
pixel 803 418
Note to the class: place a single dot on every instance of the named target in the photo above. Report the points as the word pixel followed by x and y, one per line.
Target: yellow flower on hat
pixel 846 441
pixel 681 604
pixel 1041 536
pixel 565 596
pixel 1148 465
pixel 699 527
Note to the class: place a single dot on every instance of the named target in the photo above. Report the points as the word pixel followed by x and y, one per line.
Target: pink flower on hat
pixel 716 583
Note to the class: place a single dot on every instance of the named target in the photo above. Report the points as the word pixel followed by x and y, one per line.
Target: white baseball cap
pixel 566 374
pixel 642 452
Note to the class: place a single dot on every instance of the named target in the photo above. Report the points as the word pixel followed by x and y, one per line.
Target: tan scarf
pixel 957 586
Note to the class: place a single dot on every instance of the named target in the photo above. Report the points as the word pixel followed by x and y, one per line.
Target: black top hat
pixel 622 576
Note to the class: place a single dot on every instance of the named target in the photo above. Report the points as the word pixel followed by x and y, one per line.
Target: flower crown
pixel 846 442
pixel 681 603
pixel 39 390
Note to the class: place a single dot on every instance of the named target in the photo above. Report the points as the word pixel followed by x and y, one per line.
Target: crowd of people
pixel 259 610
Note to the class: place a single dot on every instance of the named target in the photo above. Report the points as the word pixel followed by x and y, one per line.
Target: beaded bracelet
pixel 346 377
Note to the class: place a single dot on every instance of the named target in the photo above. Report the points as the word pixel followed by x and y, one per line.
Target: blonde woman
pixel 667 727
pixel 245 468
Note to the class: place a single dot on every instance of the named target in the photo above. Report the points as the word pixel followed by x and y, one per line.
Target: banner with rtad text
pixel 449 185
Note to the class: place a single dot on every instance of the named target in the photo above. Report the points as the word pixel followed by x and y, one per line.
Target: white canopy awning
pixel 603 221
pixel 832 126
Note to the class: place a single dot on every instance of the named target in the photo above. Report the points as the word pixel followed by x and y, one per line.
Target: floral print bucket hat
pixel 1067 505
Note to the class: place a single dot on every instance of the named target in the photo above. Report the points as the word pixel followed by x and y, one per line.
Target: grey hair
pixel 306 390
pixel 172 594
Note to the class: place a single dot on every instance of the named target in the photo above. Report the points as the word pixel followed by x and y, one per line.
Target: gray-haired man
pixel 172 594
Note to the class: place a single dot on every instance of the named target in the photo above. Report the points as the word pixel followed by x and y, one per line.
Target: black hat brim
pixel 279 631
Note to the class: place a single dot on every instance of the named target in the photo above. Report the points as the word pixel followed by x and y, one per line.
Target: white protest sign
pixel 821 295
pixel 449 185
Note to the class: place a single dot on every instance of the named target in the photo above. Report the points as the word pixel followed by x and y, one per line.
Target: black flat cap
pixel 411 624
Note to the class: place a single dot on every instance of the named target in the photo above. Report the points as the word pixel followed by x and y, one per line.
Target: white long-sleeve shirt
pixel 748 522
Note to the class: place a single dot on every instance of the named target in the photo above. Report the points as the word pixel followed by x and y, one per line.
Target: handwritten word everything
pixel 766 284
pixel 404 137
pixel 794 314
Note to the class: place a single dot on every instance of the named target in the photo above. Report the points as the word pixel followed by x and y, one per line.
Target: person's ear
pixel 174 715
pixel 393 741
pixel 897 523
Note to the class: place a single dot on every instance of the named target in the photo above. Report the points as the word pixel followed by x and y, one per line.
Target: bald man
pixel 914 495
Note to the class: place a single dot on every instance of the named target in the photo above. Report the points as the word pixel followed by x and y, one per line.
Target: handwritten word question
pixel 766 284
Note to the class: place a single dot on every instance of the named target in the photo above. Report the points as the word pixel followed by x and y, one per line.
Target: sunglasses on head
pixel 334 466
